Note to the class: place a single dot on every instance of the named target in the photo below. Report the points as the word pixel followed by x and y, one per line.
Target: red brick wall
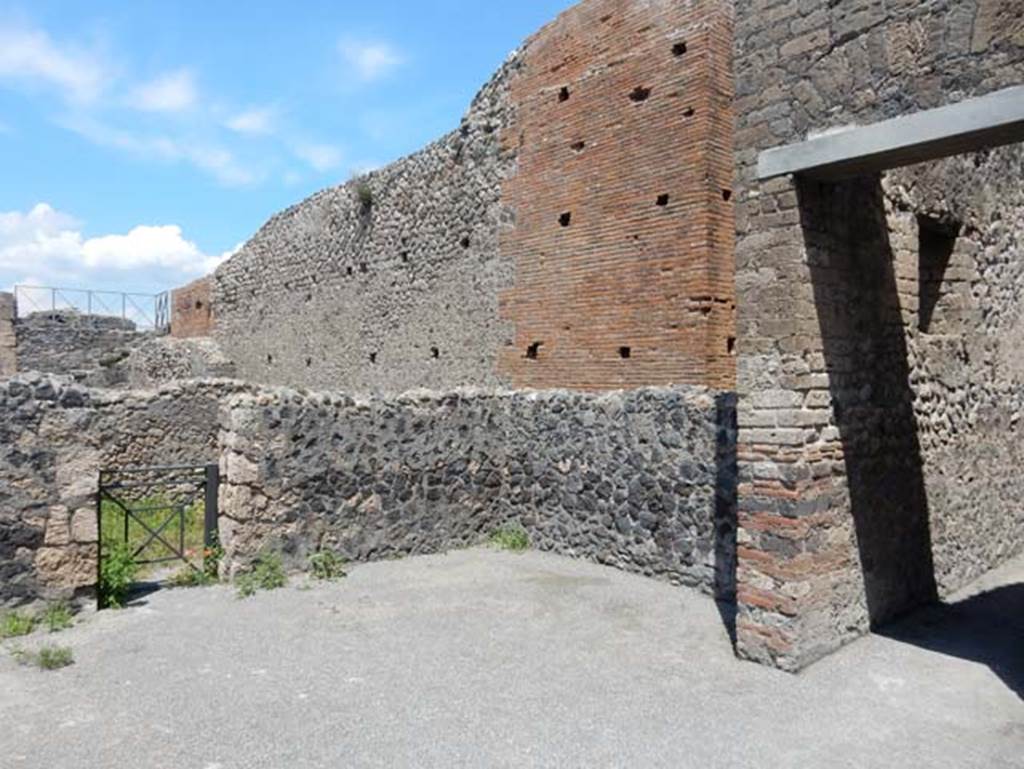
pixel 629 274
pixel 192 310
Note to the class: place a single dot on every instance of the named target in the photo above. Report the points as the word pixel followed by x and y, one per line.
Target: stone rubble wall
pixel 8 339
pixel 105 352
pixel 644 480
pixel 67 342
pixel 879 398
pixel 384 284
pixel 161 360
pixel 55 436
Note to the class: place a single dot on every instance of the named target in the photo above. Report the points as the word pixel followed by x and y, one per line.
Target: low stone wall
pixel 86 346
pixel 8 341
pixel 644 480
pixel 55 435
pixel 163 359
pixel 104 352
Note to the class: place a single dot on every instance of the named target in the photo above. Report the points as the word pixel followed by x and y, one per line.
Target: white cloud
pixel 214 160
pixel 253 121
pixel 172 92
pixel 30 55
pixel 370 60
pixel 50 244
pixel 320 157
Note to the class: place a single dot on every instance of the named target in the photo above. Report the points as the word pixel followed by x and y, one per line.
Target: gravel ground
pixel 482 658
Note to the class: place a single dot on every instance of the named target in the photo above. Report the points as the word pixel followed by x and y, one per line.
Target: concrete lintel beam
pixel 970 125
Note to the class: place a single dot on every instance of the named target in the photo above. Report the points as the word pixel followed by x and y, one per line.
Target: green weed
pixel 213 554
pixel 327 565
pixel 53 657
pixel 112 529
pixel 14 624
pixel 266 573
pixel 510 537
pixel 364 195
pixel 58 616
pixel 117 574
pixel 189 577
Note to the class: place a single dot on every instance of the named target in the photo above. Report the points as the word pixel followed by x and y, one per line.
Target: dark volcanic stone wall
pixel 879 321
pixel 644 481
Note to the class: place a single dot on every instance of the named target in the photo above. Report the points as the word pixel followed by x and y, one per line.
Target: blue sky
pixel 142 141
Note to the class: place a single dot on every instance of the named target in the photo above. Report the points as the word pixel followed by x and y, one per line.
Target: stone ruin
pixel 583 312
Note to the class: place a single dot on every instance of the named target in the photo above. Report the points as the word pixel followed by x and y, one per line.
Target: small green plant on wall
pixel 364 196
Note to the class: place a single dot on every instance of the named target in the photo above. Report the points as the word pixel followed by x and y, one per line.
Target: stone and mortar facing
pixel 880 397
pixel 8 339
pixel 393 290
pixel 644 481
pixel 573 232
pixel 879 377
pixel 55 436
pixel 67 342
pixel 101 351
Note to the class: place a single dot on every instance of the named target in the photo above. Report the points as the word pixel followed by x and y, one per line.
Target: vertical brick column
pixel 834 531
pixel 192 310
pixel 8 341
pixel 622 195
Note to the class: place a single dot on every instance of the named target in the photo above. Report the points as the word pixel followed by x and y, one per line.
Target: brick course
pixel 623 123
pixel 192 310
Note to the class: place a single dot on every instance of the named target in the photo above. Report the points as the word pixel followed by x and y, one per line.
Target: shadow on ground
pixel 986 628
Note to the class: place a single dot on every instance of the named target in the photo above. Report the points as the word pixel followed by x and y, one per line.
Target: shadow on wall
pixel 725 512
pixel 987 628
pixel 864 344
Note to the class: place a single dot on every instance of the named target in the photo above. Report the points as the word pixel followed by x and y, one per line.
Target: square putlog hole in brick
pixel 563 94
pixel 565 219
pixel 640 93
pixel 533 351
pixel 662 200
pixel 625 353
pixel 678 49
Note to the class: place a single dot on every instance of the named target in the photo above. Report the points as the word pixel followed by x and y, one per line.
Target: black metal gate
pixel 162 515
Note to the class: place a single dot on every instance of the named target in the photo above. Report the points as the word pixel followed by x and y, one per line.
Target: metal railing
pixel 149 312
